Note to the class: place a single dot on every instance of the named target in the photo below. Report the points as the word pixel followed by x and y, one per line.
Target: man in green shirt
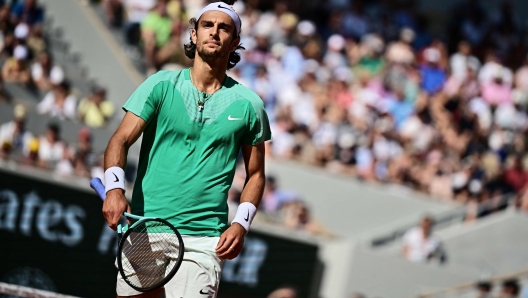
pixel 194 122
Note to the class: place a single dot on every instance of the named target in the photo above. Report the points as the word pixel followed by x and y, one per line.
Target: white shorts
pixel 198 276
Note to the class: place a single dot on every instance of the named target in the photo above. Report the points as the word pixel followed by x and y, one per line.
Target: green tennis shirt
pixel 187 158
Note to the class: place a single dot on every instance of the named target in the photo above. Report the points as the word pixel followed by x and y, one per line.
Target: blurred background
pixel 398 165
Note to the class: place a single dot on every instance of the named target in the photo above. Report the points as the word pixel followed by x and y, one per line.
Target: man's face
pixel 215 38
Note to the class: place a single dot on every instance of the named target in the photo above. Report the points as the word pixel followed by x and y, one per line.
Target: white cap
pixel 239 7
pixel 432 55
pixel 22 31
pixel 306 28
pixel 278 49
pixel 225 8
pixel 311 66
pixel 343 74
pixel 407 34
pixel 336 42
pixel 20 52
pixel 56 75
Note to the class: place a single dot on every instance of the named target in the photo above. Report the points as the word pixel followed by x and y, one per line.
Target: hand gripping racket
pixel 149 252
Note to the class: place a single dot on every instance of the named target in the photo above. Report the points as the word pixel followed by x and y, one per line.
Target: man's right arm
pixel 116 152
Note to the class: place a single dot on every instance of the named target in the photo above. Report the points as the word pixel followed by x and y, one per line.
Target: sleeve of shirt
pixel 144 101
pixel 259 128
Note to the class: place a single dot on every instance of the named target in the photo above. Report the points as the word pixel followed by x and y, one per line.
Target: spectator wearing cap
pixel 371 61
pixel 45 74
pixel 433 76
pixel 13 135
pixel 21 32
pixel 496 91
pixel 334 56
pixel 492 67
pixel 51 147
pixel 15 69
pixel 95 110
pixel 59 102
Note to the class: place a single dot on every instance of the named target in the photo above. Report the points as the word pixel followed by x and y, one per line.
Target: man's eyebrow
pixel 219 23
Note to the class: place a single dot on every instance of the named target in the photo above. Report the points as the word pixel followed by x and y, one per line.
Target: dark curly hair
pixel 190 48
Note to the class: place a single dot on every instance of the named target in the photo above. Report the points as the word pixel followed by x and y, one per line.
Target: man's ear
pixel 193 35
pixel 234 44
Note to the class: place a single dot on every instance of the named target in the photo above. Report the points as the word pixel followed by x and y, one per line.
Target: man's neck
pixel 207 77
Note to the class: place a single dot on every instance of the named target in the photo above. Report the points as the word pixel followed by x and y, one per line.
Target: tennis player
pixel 194 123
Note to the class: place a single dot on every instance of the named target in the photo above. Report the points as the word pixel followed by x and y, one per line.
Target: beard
pixel 208 55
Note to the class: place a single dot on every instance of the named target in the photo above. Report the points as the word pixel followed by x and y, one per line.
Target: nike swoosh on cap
pixel 220 6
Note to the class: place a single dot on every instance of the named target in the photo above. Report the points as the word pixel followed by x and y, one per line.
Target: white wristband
pixel 114 178
pixel 245 214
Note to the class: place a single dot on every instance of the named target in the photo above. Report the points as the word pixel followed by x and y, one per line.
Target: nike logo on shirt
pixel 203 293
pixel 232 119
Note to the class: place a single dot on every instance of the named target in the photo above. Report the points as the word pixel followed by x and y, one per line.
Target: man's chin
pixel 209 55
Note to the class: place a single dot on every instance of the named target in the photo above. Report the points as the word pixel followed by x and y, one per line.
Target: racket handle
pixel 99 188
pixel 119 233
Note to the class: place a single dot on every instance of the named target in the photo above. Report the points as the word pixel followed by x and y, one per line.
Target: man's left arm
pixel 231 241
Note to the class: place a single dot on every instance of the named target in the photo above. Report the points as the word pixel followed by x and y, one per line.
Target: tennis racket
pixel 149 251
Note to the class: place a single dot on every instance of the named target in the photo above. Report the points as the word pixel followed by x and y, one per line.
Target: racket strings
pixel 149 253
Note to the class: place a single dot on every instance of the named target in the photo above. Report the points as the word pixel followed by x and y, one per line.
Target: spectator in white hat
pixel 59 102
pixel 433 76
pixel 15 69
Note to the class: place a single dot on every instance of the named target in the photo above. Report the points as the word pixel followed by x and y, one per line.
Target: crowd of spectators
pixel 49 150
pixel 27 62
pixel 365 88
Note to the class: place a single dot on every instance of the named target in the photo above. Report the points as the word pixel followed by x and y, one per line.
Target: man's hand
pixel 114 206
pixel 231 242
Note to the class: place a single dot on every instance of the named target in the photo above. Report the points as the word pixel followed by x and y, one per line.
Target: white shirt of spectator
pixel 459 64
pixel 419 248
pixel 489 71
pixel 283 141
pixel 56 73
pixel 50 152
pixel 138 9
pixel 48 106
pixel 7 134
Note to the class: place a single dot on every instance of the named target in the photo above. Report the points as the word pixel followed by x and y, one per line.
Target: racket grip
pixel 119 233
pixel 99 188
